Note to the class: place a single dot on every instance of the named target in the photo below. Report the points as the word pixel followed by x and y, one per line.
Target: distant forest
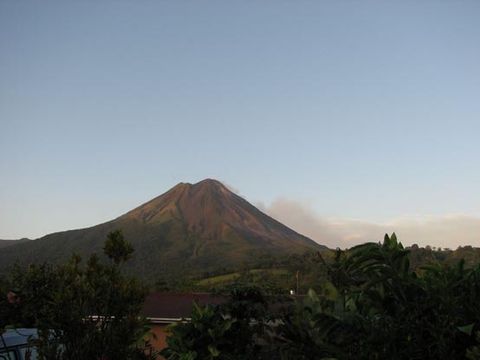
pixel 301 272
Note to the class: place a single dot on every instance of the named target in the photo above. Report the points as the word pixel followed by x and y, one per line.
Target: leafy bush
pixel 229 331
pixel 380 309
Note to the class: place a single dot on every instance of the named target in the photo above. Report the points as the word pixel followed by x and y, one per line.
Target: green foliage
pixel 201 337
pixel 382 309
pixel 82 310
pixel 274 275
pixel 371 304
pixel 227 332
pixel 302 333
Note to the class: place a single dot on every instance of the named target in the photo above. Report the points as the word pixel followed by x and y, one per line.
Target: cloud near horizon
pixel 447 231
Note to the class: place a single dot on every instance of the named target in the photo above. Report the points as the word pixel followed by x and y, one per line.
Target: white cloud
pixel 440 231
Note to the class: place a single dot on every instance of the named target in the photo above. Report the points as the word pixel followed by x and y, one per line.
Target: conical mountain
pixel 190 228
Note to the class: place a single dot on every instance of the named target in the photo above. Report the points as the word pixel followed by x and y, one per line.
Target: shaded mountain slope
pixel 190 228
pixel 5 243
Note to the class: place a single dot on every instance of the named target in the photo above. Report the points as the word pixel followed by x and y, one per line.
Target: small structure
pixel 163 309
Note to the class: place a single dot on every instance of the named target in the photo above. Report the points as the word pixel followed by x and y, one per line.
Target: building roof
pixel 173 307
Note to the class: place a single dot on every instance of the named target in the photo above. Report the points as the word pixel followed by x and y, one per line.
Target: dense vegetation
pixel 280 274
pixel 374 301
pixel 81 310
pixel 372 305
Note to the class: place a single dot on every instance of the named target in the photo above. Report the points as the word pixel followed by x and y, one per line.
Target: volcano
pixel 190 228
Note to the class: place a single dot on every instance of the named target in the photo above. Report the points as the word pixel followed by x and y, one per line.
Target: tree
pixel 82 310
pixel 117 248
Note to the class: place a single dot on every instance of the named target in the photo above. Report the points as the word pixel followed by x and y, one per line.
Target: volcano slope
pixel 189 229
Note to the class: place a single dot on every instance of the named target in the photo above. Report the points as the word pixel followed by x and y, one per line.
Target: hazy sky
pixel 366 110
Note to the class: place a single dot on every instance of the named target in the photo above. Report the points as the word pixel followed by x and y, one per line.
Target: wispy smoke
pixel 231 188
pixel 449 231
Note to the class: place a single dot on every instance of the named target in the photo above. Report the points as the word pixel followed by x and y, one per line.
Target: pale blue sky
pixel 363 109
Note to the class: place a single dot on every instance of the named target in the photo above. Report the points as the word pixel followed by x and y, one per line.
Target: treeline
pixel 306 271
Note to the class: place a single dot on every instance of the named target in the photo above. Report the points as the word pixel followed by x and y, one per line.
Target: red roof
pixel 171 307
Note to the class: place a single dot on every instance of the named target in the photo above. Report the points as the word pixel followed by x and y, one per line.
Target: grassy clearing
pixel 227 278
